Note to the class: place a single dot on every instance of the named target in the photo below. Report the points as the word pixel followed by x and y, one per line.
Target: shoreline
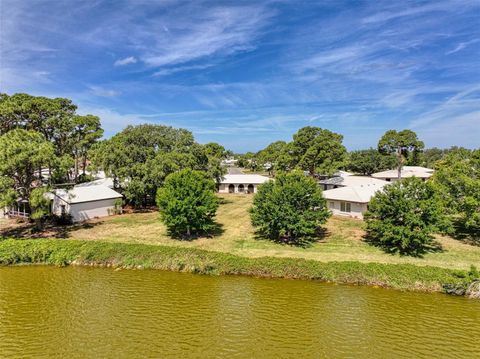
pixel 407 277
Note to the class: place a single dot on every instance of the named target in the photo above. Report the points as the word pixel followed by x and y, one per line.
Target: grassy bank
pixel 342 240
pixel 124 255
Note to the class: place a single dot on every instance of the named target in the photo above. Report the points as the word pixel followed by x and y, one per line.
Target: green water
pixel 72 312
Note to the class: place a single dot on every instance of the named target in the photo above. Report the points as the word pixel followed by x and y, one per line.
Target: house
pixel 84 201
pixel 241 183
pixel 407 171
pixel 229 162
pixel 352 201
pixel 345 179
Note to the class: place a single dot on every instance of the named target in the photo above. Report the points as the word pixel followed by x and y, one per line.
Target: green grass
pixel 343 240
pixel 60 252
pixel 341 255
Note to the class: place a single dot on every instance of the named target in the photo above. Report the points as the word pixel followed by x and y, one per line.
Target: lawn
pixel 342 241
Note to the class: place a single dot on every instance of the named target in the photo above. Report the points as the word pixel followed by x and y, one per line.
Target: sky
pixel 247 73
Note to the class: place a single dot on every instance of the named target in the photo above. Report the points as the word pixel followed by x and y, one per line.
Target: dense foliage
pixel 269 156
pixel 402 217
pixel 404 144
pixel 188 203
pixel 290 209
pixel 316 150
pixel 457 177
pixel 22 156
pixel 139 158
pixel 56 120
pixel 366 162
pixel 313 149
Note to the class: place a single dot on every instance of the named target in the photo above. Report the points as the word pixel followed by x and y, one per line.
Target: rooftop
pixel 244 179
pixel 407 171
pixel 358 194
pixel 85 193
pixel 350 181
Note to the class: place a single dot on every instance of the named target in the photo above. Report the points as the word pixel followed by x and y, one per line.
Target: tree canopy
pixel 187 203
pixel 313 149
pixel 369 161
pixel 290 209
pixel 139 158
pixel 57 121
pixel 269 156
pixel 404 144
pixel 318 150
pixel 402 217
pixel 457 177
pixel 22 156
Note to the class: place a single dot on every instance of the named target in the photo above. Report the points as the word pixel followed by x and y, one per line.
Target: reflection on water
pixel 101 313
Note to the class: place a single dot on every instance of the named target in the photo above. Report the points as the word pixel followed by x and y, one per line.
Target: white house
pixel 352 201
pixel 241 183
pixel 407 171
pixel 344 179
pixel 84 201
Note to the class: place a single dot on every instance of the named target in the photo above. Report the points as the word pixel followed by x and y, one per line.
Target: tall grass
pixel 65 252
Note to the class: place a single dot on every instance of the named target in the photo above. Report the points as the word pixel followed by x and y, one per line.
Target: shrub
pixel 188 203
pixel 403 216
pixel 290 209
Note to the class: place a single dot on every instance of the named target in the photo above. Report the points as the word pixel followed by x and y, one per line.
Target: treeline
pixel 320 151
pixel 139 158
pixel 45 143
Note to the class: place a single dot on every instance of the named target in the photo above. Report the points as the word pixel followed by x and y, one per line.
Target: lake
pixel 77 312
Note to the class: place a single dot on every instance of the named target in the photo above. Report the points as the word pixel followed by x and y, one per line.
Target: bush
pixel 290 209
pixel 403 216
pixel 188 203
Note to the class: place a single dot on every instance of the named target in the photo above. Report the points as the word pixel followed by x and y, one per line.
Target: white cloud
pixel 126 61
pixel 461 46
pixel 102 92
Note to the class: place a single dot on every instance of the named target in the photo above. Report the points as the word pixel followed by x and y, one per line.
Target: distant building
pixel 406 172
pixel 84 201
pixel 229 162
pixel 241 183
pixel 352 201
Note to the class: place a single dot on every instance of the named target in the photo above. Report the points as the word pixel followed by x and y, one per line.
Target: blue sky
pixel 245 74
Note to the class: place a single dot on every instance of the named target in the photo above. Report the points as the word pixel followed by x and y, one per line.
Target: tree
pixel 86 131
pixel 403 144
pixel 317 150
pixel 369 161
pixel 40 205
pixel 22 154
pixel 457 178
pixel 188 203
pixel 402 217
pixel 290 209
pixel 139 158
pixel 268 157
pixel 56 119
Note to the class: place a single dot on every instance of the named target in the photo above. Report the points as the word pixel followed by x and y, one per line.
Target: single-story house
pixel 241 183
pixel 229 162
pixel 84 201
pixel 344 179
pixel 351 201
pixel 407 171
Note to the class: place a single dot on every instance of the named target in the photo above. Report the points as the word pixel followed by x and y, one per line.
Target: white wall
pixel 223 188
pixel 357 209
pixel 86 210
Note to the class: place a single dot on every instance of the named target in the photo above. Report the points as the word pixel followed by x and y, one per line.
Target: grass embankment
pixel 140 239
pixel 60 252
pixel 342 241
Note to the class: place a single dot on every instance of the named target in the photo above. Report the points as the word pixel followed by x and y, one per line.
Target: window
pixel 63 210
pixel 332 205
pixel 345 207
